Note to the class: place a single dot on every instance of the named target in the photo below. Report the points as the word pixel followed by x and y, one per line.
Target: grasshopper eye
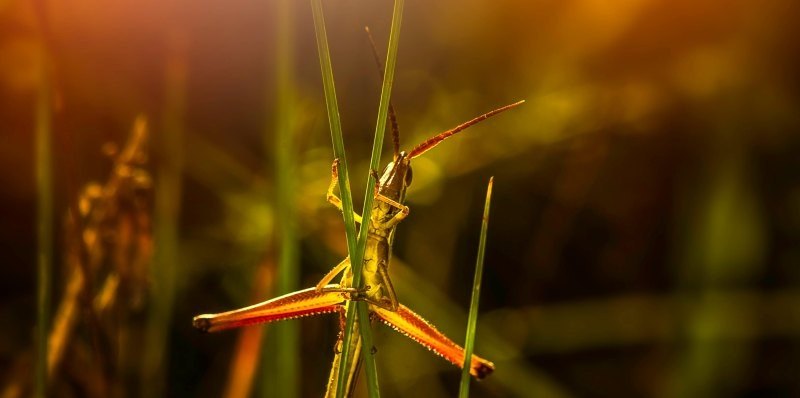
pixel 409 176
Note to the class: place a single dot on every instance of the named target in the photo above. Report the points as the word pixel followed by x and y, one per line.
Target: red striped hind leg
pixel 418 329
pixel 297 304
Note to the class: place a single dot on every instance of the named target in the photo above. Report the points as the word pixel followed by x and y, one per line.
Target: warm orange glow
pixel 418 329
pixel 293 305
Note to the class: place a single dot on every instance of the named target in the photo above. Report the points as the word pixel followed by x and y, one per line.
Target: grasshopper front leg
pixel 404 210
pixel 332 274
pixel 399 216
pixel 334 200
pixel 331 195
pixel 323 286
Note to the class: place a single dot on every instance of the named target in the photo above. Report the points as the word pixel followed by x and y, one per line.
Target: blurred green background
pixel 645 229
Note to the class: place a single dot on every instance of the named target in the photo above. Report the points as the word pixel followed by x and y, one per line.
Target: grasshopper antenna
pixel 392 115
pixel 428 144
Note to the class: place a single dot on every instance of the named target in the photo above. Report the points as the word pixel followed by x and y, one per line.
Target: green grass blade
pixel 44 214
pixel 280 356
pixel 355 246
pixel 335 123
pixel 383 111
pixel 472 321
pixel 375 158
pixel 338 153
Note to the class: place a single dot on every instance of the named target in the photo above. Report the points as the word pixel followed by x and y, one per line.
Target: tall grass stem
pixel 280 366
pixel 44 213
pixel 357 263
pixel 166 261
pixel 335 124
pixel 356 245
pixel 472 321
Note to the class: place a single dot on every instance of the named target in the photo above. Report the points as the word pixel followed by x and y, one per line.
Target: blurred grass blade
pixel 472 321
pixel 166 259
pixel 281 355
pixel 44 212
pixel 243 365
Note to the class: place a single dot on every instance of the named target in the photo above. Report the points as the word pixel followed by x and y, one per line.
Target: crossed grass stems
pixel 354 348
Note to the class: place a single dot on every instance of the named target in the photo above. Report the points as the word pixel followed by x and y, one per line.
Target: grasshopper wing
pixel 418 329
pixel 293 305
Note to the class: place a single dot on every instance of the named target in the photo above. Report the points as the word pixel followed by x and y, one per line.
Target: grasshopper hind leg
pixel 390 301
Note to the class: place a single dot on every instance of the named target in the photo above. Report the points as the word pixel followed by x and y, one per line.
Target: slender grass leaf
pixel 472 321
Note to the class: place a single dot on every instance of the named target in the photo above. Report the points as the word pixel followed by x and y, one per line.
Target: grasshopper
pixel 377 290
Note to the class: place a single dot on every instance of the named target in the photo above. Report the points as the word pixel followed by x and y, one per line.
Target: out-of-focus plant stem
pixel 244 363
pixel 280 356
pixel 169 148
pixel 721 243
pixel 44 215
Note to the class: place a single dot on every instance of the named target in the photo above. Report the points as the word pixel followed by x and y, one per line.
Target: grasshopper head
pixel 396 177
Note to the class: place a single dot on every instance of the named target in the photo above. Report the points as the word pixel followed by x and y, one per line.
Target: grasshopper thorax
pixel 396 177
